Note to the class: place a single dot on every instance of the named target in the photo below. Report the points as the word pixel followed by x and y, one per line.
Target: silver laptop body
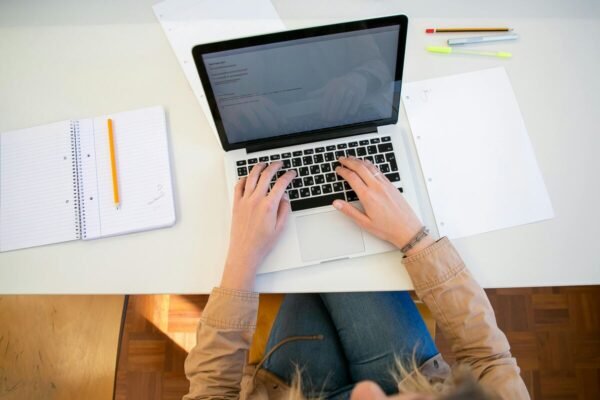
pixel 306 97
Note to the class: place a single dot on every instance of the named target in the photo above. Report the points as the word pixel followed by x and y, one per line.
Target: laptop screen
pixel 304 85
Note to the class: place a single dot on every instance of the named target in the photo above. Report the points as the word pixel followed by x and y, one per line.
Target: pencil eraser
pixel 430 30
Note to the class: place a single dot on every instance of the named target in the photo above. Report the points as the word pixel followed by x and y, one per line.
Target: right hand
pixel 387 214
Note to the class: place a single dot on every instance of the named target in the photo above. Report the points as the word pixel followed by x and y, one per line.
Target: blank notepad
pixel 56 182
pixel 480 169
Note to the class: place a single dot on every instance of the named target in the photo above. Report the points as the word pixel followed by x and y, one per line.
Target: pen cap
pixel 439 49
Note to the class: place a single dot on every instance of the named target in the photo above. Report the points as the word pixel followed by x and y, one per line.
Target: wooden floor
pixel 59 347
pixel 554 333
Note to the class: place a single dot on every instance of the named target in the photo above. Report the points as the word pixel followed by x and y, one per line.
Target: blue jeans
pixel 363 334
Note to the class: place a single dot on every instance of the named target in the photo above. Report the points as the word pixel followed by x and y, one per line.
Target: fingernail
pixel 338 204
pixel 286 197
pixel 341 158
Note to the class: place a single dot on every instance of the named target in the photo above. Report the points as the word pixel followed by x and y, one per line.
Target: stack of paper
pixel 480 169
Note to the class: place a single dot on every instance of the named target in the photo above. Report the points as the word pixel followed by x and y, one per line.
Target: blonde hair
pixel 461 384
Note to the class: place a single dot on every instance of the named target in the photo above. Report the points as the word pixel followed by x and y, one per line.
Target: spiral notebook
pixel 56 179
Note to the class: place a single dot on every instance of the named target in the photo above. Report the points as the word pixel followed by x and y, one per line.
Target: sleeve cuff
pixel 230 309
pixel 434 265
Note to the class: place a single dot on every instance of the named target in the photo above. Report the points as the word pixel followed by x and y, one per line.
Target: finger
pixel 282 212
pixel 372 168
pixel 347 209
pixel 359 167
pixel 239 189
pixel 356 183
pixel 253 177
pixel 262 187
pixel 281 185
pixel 377 174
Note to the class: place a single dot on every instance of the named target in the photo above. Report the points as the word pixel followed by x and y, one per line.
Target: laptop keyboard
pixel 316 183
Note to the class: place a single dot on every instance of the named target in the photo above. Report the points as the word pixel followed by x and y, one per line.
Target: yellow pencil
pixel 113 163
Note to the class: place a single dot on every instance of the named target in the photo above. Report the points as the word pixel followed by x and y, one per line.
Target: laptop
pixel 306 97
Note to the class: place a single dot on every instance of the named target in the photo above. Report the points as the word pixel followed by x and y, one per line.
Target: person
pixel 348 345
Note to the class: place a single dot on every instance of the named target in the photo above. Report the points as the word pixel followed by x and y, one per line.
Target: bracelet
pixel 416 239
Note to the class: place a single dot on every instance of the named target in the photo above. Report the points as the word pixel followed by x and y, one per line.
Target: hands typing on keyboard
pixel 316 183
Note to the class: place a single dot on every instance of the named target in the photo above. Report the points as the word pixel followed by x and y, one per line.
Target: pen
pixel 482 39
pixel 449 50
pixel 445 30
pixel 113 162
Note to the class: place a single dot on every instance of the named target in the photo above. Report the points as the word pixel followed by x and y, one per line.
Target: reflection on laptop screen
pixel 305 84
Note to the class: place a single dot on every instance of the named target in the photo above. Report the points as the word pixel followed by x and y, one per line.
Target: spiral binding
pixel 78 195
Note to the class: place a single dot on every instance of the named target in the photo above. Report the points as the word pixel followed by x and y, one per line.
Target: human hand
pixel 258 218
pixel 387 215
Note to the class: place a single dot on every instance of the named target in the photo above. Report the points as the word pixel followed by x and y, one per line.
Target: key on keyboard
pixel 317 184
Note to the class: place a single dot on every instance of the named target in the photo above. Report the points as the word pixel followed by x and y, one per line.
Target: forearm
pixel 215 365
pixel 457 302
pixel 466 318
pixel 238 276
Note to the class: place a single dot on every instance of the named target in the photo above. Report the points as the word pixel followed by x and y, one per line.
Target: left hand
pixel 258 218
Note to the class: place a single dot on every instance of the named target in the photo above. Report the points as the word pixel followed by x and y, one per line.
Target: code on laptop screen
pixel 305 84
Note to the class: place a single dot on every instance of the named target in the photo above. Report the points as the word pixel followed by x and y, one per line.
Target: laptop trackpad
pixel 328 235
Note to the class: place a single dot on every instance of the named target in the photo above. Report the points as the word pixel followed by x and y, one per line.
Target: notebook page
pixel 480 169
pixel 88 188
pixel 143 170
pixel 37 197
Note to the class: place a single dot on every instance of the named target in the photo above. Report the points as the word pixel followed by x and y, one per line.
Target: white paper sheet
pixel 37 192
pixel 144 174
pixel 480 169
pixel 187 23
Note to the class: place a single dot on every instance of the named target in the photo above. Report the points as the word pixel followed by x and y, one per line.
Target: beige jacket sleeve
pixel 466 318
pixel 215 365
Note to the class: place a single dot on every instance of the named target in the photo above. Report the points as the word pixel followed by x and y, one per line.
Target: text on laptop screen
pixel 305 84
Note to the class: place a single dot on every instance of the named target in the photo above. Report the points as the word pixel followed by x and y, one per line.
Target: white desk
pixel 82 59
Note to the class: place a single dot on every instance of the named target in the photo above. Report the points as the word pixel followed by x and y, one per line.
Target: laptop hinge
pixel 317 137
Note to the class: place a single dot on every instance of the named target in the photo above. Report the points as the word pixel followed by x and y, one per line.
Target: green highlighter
pixel 449 50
